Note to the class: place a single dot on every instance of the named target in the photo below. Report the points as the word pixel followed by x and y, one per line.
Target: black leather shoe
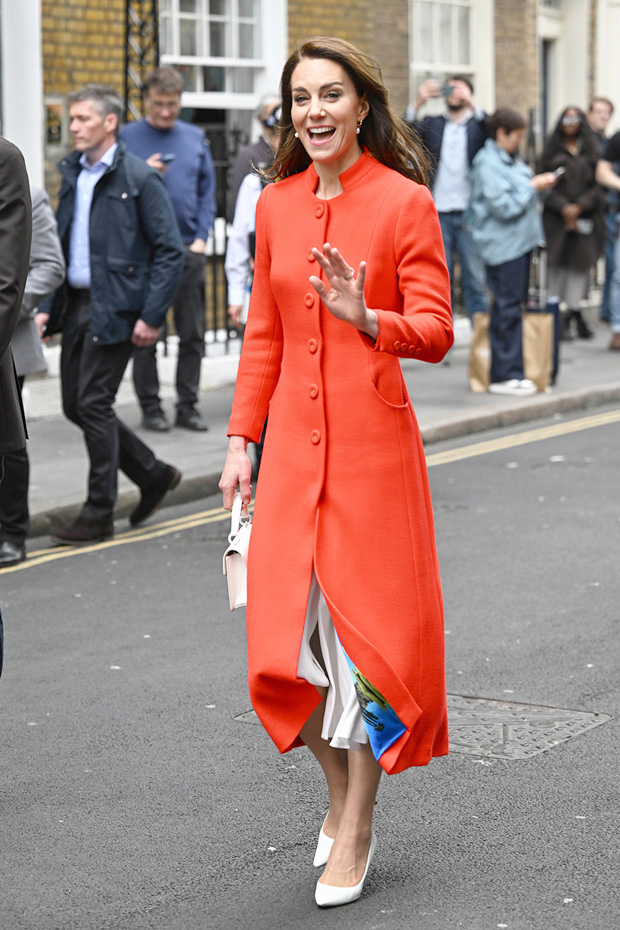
pixel 583 330
pixel 156 422
pixel 152 498
pixel 10 554
pixel 83 531
pixel 191 419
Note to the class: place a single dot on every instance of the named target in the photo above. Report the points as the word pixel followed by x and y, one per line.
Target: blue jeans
pixel 614 292
pixel 508 283
pixel 611 218
pixel 457 238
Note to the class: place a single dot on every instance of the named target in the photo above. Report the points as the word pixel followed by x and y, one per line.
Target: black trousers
pixel 90 377
pixel 14 516
pixel 508 283
pixel 189 319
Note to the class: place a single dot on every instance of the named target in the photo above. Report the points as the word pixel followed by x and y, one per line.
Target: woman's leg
pixel 334 763
pixel 508 283
pixel 349 853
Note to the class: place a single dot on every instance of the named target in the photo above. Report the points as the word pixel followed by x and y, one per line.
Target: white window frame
pixel 481 66
pixel 272 42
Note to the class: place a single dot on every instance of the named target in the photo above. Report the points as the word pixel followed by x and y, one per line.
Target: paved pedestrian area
pixel 444 405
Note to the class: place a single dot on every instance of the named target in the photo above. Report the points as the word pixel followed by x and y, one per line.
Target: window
pixel 441 36
pixel 215 44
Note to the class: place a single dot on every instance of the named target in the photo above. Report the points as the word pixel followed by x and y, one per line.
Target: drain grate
pixel 502 729
pixel 506 730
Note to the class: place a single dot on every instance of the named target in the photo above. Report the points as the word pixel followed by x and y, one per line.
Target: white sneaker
pixel 514 387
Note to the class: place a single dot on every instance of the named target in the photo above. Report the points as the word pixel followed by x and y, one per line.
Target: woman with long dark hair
pixel 573 217
pixel 344 616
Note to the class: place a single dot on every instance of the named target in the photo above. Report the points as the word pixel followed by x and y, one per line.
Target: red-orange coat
pixel 343 485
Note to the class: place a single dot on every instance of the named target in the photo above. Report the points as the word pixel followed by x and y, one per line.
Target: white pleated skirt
pixel 322 663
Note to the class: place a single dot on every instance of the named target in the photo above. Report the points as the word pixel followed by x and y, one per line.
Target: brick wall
pixel 391 48
pixel 381 29
pixel 516 55
pixel 83 41
pixel 352 21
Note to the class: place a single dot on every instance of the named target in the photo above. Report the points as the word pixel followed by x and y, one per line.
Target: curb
pixel 202 486
pixel 536 408
pixel 190 489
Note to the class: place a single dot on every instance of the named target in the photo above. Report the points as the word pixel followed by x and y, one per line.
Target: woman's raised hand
pixel 237 472
pixel 345 296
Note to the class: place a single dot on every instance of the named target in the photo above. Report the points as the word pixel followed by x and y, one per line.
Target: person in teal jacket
pixel 505 222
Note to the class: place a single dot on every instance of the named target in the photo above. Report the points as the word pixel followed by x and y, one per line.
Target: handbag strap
pixel 235 517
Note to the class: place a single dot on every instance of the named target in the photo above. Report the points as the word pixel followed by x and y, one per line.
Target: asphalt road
pixel 132 798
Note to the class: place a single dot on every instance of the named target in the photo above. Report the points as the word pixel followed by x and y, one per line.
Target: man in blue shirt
pixel 124 257
pixel 179 151
pixel 452 140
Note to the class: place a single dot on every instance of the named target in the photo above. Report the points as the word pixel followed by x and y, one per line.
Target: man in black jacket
pixel 124 259
pixel 452 140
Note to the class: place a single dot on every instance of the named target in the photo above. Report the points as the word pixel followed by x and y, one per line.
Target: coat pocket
pixel 128 282
pixel 387 380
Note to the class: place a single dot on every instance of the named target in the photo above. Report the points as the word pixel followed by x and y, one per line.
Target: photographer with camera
pixel 452 140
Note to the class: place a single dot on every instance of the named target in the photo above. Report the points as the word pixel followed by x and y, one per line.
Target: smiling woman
pixel 345 634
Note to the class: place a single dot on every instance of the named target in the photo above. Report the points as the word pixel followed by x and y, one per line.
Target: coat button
pixel 396 346
pixel 309 300
pixel 95 338
pixel 312 346
pixel 313 391
pixel 124 195
pixel 130 269
pixel 315 437
pixel 412 349
pixel 311 257
pixel 319 210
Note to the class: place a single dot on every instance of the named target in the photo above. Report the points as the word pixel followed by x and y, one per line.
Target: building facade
pixel 533 55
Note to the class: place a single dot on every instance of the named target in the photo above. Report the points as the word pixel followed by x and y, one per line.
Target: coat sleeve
pixel 205 208
pixel 15 233
pixel 161 229
pixel 506 194
pixel 259 367
pixel 424 327
pixel 47 264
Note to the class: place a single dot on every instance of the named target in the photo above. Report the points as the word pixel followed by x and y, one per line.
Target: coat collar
pixel 70 166
pixel 364 164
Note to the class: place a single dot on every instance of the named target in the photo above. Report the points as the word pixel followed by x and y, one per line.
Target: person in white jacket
pixel 505 222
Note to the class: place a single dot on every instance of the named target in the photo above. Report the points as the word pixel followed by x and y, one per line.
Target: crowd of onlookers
pixel 495 211
pixel 128 242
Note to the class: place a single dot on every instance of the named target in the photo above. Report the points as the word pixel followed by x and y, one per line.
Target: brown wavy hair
pixel 384 134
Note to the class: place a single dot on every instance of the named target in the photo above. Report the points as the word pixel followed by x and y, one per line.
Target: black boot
pixel 583 330
pixel 565 333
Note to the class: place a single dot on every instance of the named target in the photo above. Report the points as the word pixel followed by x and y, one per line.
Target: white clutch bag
pixel 236 556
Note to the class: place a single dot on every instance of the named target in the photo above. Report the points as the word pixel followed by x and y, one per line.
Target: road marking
pixel 522 439
pixel 218 514
pixel 42 556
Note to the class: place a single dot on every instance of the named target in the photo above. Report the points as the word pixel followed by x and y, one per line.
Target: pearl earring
pixel 297 135
pixel 359 126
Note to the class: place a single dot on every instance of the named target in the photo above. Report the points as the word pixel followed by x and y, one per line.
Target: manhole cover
pixel 504 730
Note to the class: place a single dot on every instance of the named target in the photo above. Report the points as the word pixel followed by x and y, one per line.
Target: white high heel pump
pixel 323 848
pixel 334 896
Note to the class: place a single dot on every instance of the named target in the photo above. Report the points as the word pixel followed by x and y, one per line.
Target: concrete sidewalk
pixel 444 405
